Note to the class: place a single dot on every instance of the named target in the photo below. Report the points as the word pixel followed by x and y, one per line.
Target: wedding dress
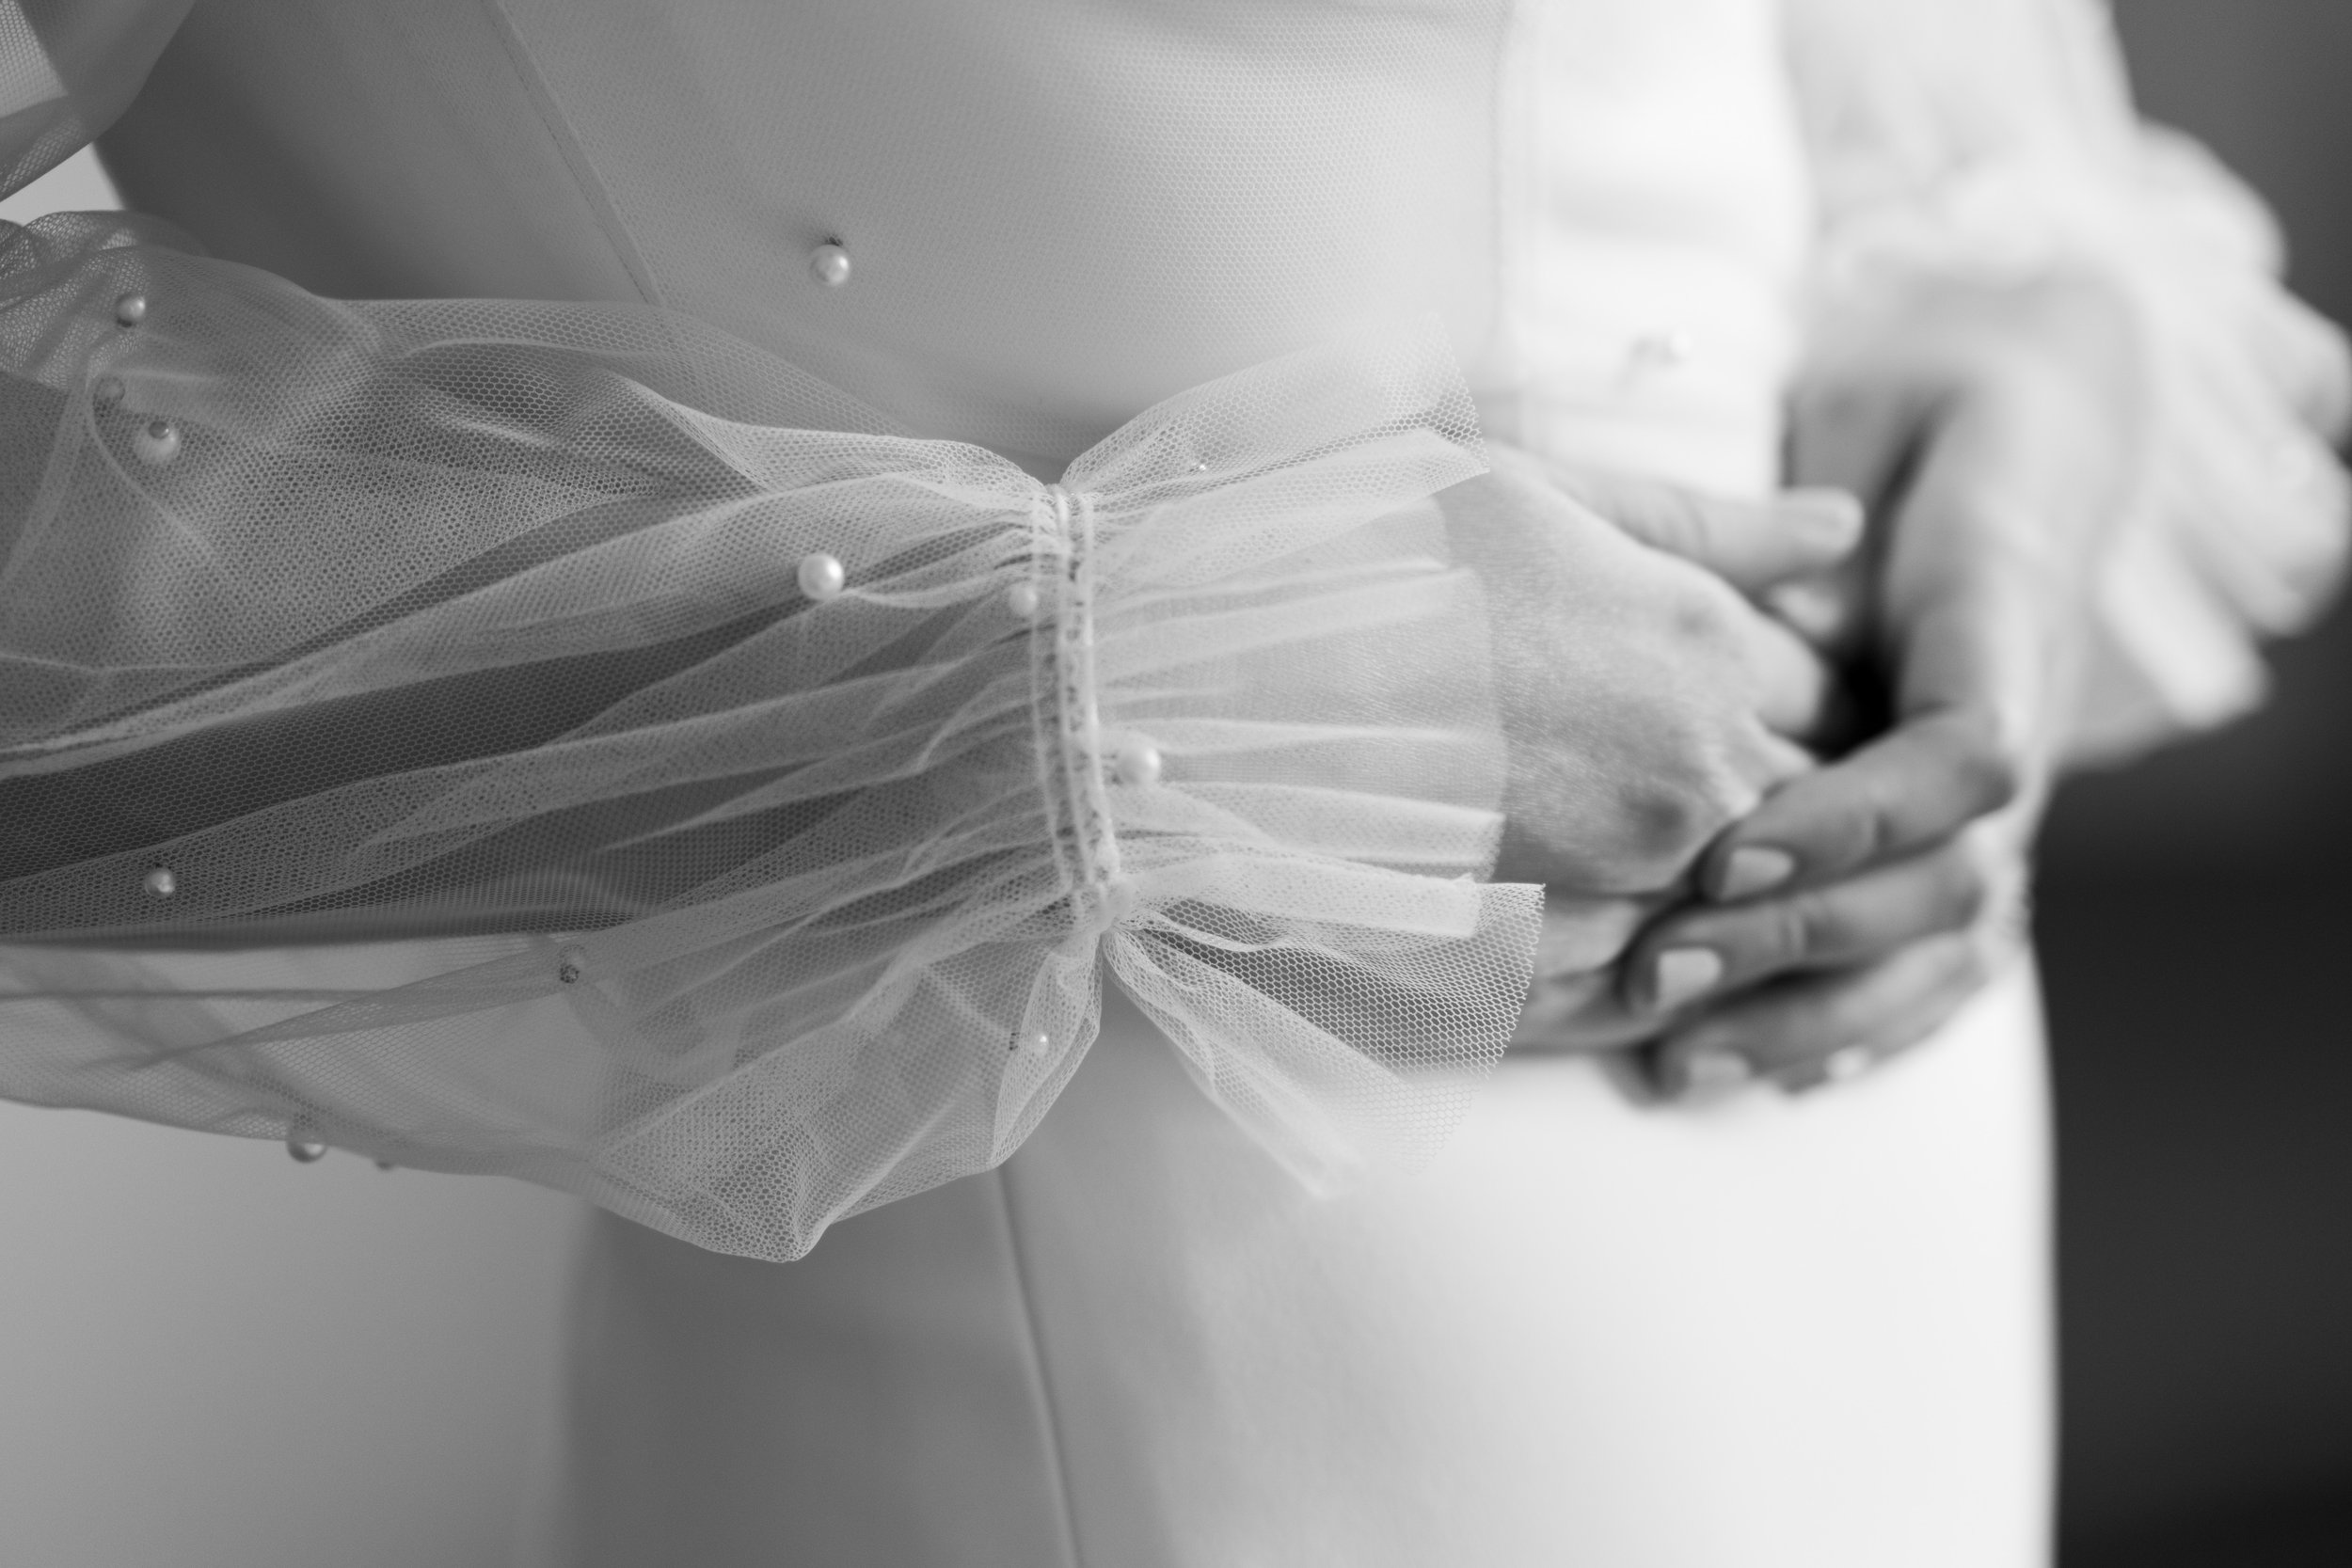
pixel 968 475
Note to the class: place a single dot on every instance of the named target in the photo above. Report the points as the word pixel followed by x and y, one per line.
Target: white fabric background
pixel 216 1358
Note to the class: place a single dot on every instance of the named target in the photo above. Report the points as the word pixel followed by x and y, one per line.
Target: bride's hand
pixel 1645 702
pixel 1995 427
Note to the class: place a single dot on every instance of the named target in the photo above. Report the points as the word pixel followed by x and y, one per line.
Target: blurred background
pixel 2196 941
pixel 244 1360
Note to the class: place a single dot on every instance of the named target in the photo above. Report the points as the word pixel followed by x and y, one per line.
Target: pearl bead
pixel 1035 1042
pixel 305 1150
pixel 106 392
pixel 1201 468
pixel 1021 598
pixel 160 882
pixel 1139 763
pixel 156 443
pixel 821 576
pixel 130 309
pixel 829 265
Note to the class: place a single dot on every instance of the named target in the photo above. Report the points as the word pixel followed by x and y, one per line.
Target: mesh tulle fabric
pixel 415 736
pixel 67 68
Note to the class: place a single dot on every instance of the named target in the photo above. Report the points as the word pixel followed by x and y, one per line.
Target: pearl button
pixel 108 391
pixel 305 1150
pixel 130 309
pixel 1035 1042
pixel 570 965
pixel 1139 763
pixel 1021 598
pixel 1667 347
pixel 829 265
pixel 821 576
pixel 156 443
pixel 160 882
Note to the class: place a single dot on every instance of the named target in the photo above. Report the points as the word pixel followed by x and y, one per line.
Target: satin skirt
pixel 1812 1332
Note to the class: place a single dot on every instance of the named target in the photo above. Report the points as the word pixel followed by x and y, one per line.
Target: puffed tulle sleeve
pixel 566 741
pixel 67 68
pixel 1996 137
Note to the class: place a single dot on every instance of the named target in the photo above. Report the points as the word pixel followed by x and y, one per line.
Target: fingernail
pixel 1842 1067
pixel 1754 870
pixel 1839 1066
pixel 1680 974
pixel 1714 1069
pixel 1816 610
pixel 1830 518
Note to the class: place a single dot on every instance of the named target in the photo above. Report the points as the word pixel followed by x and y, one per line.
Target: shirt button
pixel 1663 349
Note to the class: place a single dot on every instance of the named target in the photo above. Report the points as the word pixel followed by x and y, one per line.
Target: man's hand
pixel 1994 430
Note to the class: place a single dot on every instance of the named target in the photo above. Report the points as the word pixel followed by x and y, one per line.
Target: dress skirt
pixel 1810 1331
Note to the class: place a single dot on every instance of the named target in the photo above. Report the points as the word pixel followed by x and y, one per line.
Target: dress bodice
pixel 1056 212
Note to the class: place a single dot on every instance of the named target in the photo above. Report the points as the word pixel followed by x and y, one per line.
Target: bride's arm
pixel 565 740
pixel 67 71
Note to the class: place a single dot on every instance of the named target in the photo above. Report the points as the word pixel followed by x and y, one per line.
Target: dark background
pixel 2196 923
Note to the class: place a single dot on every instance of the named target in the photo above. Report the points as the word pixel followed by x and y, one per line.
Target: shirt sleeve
pixel 1997 138
pixel 565 740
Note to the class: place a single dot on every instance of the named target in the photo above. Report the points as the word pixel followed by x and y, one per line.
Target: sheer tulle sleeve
pixel 67 68
pixel 1998 137
pixel 566 741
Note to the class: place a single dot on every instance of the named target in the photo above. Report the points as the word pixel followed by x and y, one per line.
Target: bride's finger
pixel 1575 1003
pixel 1714 952
pixel 1580 1015
pixel 1825 1028
pixel 1752 544
pixel 1797 692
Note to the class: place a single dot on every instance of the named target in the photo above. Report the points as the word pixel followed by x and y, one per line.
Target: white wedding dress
pixel 1808 1331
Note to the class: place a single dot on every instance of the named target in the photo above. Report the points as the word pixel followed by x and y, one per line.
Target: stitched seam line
pixel 1067 709
pixel 1058 1475
pixel 585 178
pixel 1048 549
pixel 1080 702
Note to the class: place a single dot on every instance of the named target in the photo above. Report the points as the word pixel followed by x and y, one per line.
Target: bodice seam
pixel 576 160
pixel 1058 1469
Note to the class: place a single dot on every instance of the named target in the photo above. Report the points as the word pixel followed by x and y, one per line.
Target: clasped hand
pixel 1676 667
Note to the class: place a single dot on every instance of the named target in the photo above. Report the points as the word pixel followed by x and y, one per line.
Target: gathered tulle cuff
pixel 68 71
pixel 2237 529
pixel 1997 140
pixel 566 741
